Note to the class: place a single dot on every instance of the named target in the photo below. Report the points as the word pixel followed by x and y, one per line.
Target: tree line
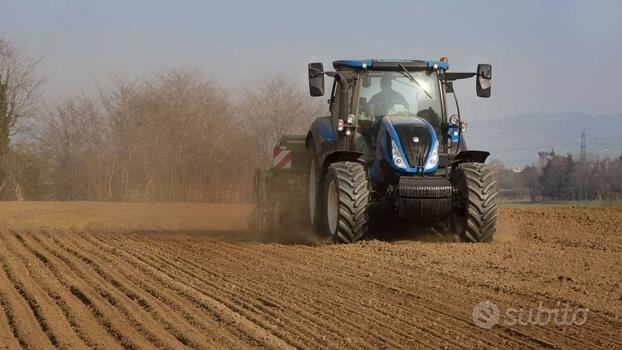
pixel 174 136
pixel 564 178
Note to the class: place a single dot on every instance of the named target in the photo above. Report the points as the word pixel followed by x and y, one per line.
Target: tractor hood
pixel 410 144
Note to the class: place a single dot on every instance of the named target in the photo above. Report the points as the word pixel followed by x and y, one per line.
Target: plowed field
pixel 171 276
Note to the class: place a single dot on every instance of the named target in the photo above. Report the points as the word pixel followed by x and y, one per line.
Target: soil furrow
pixel 130 311
pixel 33 304
pixel 198 325
pixel 386 281
pixel 115 325
pixel 254 313
pixel 405 311
pixel 246 330
pixel 300 273
pixel 344 283
pixel 17 339
pixel 162 309
pixel 33 272
pixel 134 298
pixel 309 308
pixel 484 292
pixel 79 317
pixel 306 331
pixel 22 321
pixel 90 282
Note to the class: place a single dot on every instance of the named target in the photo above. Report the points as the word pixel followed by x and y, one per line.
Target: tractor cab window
pixel 395 94
pixel 385 93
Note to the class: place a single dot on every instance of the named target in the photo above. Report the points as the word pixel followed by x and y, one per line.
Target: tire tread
pixel 481 192
pixel 353 193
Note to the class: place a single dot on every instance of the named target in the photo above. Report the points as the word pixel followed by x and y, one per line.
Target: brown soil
pixel 110 276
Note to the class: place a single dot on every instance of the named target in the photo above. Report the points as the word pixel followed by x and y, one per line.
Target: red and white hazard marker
pixel 282 159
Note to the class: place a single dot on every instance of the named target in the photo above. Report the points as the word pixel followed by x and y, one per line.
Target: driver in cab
pixel 386 98
pixel 379 105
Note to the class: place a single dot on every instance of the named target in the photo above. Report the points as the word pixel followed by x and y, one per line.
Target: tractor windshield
pixel 385 93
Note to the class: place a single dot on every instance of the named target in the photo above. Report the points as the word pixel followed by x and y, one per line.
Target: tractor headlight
pixel 433 160
pixel 454 120
pixel 397 157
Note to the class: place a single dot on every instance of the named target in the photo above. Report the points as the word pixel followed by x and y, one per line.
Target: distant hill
pixel 517 140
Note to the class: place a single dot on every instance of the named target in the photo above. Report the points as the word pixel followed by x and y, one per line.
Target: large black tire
pixel 347 202
pixel 475 206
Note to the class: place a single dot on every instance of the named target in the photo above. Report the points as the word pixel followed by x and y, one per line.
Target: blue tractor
pixel 389 142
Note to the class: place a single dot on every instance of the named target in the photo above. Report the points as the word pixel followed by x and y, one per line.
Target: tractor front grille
pixel 424 197
pixel 415 141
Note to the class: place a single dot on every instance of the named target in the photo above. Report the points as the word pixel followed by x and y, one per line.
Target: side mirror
pixel 484 78
pixel 316 79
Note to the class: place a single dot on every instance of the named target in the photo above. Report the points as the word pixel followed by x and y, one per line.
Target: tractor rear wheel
pixel 474 215
pixel 347 201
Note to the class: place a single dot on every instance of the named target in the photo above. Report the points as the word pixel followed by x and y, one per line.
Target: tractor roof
pixel 389 64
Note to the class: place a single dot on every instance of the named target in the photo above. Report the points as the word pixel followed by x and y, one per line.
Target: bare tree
pixel 75 142
pixel 175 134
pixel 119 100
pixel 19 91
pixel 168 138
pixel 273 107
pixel 19 97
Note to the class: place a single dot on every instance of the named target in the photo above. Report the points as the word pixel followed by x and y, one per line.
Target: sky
pixel 547 56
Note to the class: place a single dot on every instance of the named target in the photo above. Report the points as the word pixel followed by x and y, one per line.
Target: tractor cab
pixel 398 88
pixel 393 112
pixel 400 95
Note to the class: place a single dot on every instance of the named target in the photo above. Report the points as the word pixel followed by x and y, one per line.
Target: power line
pixel 534 148
pixel 606 144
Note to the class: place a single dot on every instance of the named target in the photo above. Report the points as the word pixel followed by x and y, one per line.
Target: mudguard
pixel 321 138
pixel 470 157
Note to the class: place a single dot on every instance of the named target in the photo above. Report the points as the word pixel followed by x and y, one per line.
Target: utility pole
pixel 582 165
pixel 583 146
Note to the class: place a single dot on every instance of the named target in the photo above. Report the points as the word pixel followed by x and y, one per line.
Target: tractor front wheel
pixel 475 205
pixel 347 201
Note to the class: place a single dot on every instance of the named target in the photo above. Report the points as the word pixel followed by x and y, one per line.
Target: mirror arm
pixel 451 76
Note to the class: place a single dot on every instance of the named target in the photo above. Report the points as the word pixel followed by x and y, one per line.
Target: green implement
pixel 280 190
